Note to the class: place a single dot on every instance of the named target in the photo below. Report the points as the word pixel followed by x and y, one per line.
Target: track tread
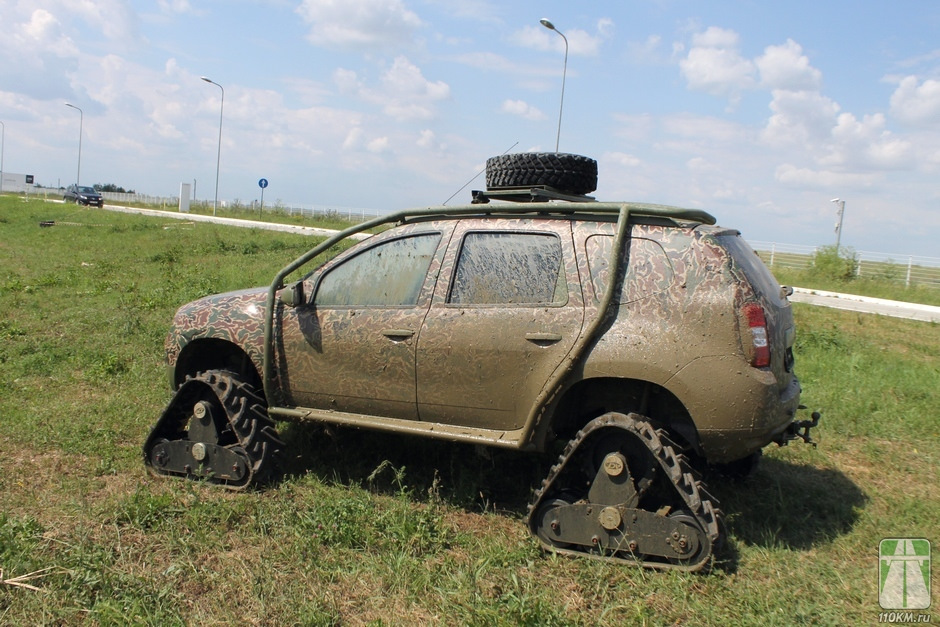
pixel 688 486
pixel 252 428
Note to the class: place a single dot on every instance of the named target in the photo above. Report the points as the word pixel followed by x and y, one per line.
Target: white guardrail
pixel 909 269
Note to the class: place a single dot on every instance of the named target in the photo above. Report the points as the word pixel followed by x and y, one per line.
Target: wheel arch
pixel 589 398
pixel 215 354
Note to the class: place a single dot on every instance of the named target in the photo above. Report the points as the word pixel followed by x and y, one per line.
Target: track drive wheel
pixel 215 428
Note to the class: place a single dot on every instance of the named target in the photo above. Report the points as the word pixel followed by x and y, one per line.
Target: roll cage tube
pixel 623 210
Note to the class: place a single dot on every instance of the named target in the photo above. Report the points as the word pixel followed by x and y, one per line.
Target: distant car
pixel 81 195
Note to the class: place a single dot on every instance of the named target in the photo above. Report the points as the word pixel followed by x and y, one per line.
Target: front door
pixel 352 348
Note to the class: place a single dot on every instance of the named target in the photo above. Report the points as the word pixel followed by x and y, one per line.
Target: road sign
pixel 263 183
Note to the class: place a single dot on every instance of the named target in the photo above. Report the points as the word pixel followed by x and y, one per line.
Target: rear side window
pixel 509 268
pixel 754 269
pixel 387 275
pixel 648 268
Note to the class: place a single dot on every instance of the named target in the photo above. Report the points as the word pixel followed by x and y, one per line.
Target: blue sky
pixel 758 112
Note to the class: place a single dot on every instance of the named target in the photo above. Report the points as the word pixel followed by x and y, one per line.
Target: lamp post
pixel 218 159
pixel 81 123
pixel 547 24
pixel 3 132
pixel 839 225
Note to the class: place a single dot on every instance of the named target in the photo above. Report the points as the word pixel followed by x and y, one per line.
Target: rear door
pixel 509 312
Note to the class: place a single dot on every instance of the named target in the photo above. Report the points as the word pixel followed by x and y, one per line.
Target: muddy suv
pixel 638 336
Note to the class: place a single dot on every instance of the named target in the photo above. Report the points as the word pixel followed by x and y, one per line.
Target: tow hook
pixel 799 430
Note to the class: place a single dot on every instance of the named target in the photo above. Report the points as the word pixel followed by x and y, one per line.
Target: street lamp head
pixel 834 200
pixel 206 78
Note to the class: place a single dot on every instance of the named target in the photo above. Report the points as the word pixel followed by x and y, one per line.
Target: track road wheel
pixel 215 428
pixel 620 492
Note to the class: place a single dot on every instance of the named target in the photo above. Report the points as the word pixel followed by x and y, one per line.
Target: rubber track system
pixel 574 174
pixel 216 428
pixel 620 492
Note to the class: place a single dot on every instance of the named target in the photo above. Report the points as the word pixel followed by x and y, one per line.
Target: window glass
pixel 390 274
pixel 648 269
pixel 509 268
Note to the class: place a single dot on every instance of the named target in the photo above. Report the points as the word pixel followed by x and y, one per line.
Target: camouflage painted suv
pixel 640 335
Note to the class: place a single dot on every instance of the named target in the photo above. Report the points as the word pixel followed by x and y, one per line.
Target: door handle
pixel 398 334
pixel 543 337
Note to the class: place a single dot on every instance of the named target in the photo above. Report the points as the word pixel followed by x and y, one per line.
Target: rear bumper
pixel 743 414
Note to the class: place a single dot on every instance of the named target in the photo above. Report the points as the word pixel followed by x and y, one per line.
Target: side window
pixel 648 270
pixel 387 275
pixel 509 268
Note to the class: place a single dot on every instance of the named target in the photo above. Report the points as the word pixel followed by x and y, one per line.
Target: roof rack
pixel 536 193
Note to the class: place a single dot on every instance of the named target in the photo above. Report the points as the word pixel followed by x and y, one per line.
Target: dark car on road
pixel 82 195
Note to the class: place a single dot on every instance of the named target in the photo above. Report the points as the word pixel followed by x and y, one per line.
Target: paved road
pixel 251 224
pixel 863 304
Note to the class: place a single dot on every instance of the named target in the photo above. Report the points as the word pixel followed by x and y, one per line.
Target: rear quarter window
pixel 757 274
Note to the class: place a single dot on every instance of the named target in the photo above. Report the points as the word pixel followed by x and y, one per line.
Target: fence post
pixel 910 262
pixel 773 250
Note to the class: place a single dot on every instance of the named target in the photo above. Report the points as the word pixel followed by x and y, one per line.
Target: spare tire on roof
pixel 574 174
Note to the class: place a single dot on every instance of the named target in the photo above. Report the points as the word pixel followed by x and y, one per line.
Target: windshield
pixel 86 190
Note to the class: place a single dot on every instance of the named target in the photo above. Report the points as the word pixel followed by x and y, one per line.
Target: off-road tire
pixel 574 174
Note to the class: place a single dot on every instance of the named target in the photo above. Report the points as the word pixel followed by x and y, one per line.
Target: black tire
pixel 574 174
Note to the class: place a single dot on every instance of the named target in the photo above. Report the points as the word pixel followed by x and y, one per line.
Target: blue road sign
pixel 263 183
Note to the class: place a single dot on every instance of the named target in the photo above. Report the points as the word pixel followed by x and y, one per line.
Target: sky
pixel 759 112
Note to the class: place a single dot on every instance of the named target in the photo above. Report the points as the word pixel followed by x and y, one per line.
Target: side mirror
pixel 293 294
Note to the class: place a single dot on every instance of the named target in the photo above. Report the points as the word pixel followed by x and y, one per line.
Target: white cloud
pixel 866 144
pixel 794 176
pixel 800 118
pixel 377 145
pixel 715 65
pixel 425 138
pixel 38 54
pixel 360 24
pixel 580 42
pixel 621 159
pixel 715 37
pixel 403 93
pixel 786 67
pixel 916 103
pixel 522 109
pixel 175 6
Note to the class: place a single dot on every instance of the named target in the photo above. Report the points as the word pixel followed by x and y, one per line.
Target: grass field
pixel 368 529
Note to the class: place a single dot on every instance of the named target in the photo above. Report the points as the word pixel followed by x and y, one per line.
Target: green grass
pixel 377 529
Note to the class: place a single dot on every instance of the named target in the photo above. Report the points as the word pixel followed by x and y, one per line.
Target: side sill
pixel 485 437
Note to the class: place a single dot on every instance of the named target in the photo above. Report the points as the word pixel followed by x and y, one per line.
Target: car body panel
pixel 449 364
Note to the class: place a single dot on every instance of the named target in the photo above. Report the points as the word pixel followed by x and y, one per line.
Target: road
pixel 865 304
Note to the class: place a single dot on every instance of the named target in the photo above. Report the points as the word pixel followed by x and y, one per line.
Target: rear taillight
pixel 757 323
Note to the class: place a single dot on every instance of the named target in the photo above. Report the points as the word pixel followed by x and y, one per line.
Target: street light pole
pixel 81 123
pixel 839 225
pixel 218 159
pixel 547 24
